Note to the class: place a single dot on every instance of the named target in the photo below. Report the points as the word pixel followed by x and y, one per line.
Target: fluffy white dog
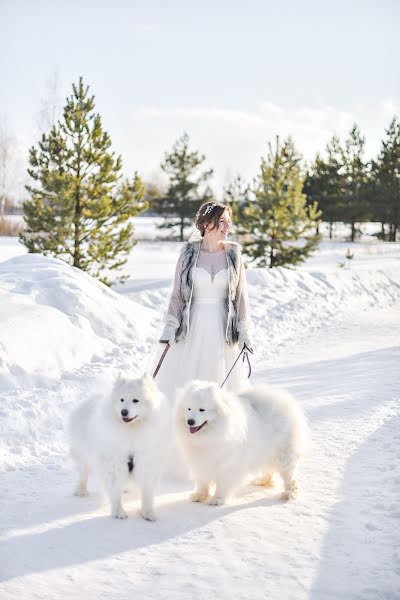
pixel 226 438
pixel 123 438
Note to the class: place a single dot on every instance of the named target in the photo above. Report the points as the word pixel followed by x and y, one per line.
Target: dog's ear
pixel 117 378
pixel 150 384
pixel 220 398
pixel 148 380
pixel 180 395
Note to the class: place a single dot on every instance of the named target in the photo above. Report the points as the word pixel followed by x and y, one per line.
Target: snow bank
pixel 55 318
pixel 287 303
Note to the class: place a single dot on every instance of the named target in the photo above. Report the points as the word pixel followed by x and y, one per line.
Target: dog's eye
pixel 135 400
pixel 189 409
pixel 201 409
pixel 122 399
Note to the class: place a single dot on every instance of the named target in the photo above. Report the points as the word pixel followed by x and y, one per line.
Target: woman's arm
pixel 175 305
pixel 243 309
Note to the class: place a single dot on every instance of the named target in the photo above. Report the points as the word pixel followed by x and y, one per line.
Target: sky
pixel 232 74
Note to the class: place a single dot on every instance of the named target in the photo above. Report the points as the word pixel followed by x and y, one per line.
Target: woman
pixel 207 322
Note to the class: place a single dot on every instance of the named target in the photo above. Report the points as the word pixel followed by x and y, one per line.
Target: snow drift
pixel 55 318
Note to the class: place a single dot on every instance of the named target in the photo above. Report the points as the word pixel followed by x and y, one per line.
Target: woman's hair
pixel 210 213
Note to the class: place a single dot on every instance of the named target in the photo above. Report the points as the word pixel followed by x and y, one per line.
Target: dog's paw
pixel 120 513
pixel 197 497
pixel 216 501
pixel 264 481
pixel 290 494
pixel 149 515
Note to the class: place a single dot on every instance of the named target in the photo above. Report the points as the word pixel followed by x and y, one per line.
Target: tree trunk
pixel 77 258
pixel 395 218
pixel 353 231
pixel 330 230
pixel 181 229
pixel 271 257
pixel 78 208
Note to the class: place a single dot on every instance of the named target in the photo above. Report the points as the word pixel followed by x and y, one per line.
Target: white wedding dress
pixel 204 353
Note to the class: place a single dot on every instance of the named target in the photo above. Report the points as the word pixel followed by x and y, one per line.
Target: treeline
pixel 80 207
pixel 346 187
pixel 352 190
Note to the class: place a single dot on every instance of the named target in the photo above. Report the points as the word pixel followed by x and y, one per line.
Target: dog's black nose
pixel 191 422
pixel 124 412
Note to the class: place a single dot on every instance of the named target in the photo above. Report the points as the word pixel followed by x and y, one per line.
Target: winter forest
pixel 115 128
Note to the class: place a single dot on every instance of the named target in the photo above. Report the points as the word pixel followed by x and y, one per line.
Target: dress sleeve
pixel 243 308
pixel 175 305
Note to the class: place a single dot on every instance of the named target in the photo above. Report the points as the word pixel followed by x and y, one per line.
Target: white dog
pixel 124 438
pixel 226 438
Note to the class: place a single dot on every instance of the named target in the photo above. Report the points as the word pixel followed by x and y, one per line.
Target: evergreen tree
pixel 386 179
pixel 324 183
pixel 278 227
pixel 153 193
pixel 237 195
pixel 185 192
pixel 80 207
pixel 355 177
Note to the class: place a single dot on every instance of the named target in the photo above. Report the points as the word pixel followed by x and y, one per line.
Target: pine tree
pixel 386 180
pixel 324 183
pixel 355 177
pixel 153 193
pixel 80 206
pixel 278 227
pixel 237 195
pixel 185 192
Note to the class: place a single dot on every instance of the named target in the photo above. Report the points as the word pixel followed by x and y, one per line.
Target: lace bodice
pixel 212 262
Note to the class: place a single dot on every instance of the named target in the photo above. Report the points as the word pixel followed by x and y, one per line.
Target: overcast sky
pixel 231 73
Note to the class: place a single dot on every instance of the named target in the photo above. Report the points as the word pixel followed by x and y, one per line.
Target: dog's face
pixel 134 399
pixel 198 407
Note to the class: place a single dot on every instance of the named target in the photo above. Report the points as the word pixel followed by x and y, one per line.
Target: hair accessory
pixel 209 208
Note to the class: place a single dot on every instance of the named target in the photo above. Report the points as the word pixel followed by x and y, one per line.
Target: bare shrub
pixel 10 227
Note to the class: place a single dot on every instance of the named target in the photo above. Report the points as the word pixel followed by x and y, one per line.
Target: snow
pixel 328 334
pixel 54 319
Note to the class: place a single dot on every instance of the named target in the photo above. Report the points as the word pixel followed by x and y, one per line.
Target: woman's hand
pixel 249 348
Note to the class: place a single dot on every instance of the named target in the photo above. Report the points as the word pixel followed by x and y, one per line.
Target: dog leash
pixel 161 359
pixel 245 351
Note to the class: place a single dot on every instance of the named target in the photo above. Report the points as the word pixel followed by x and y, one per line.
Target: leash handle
pixel 245 351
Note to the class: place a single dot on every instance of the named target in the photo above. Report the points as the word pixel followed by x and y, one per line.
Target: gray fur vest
pixel 190 255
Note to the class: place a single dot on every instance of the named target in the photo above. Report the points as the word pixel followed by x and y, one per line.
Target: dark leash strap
pixel 245 351
pixel 160 362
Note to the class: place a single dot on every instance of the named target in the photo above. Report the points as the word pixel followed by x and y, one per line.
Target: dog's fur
pixel 122 450
pixel 226 438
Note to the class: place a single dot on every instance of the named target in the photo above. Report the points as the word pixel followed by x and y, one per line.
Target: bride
pixel 207 322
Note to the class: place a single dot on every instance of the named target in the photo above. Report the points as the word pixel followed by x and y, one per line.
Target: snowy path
pixel 340 540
